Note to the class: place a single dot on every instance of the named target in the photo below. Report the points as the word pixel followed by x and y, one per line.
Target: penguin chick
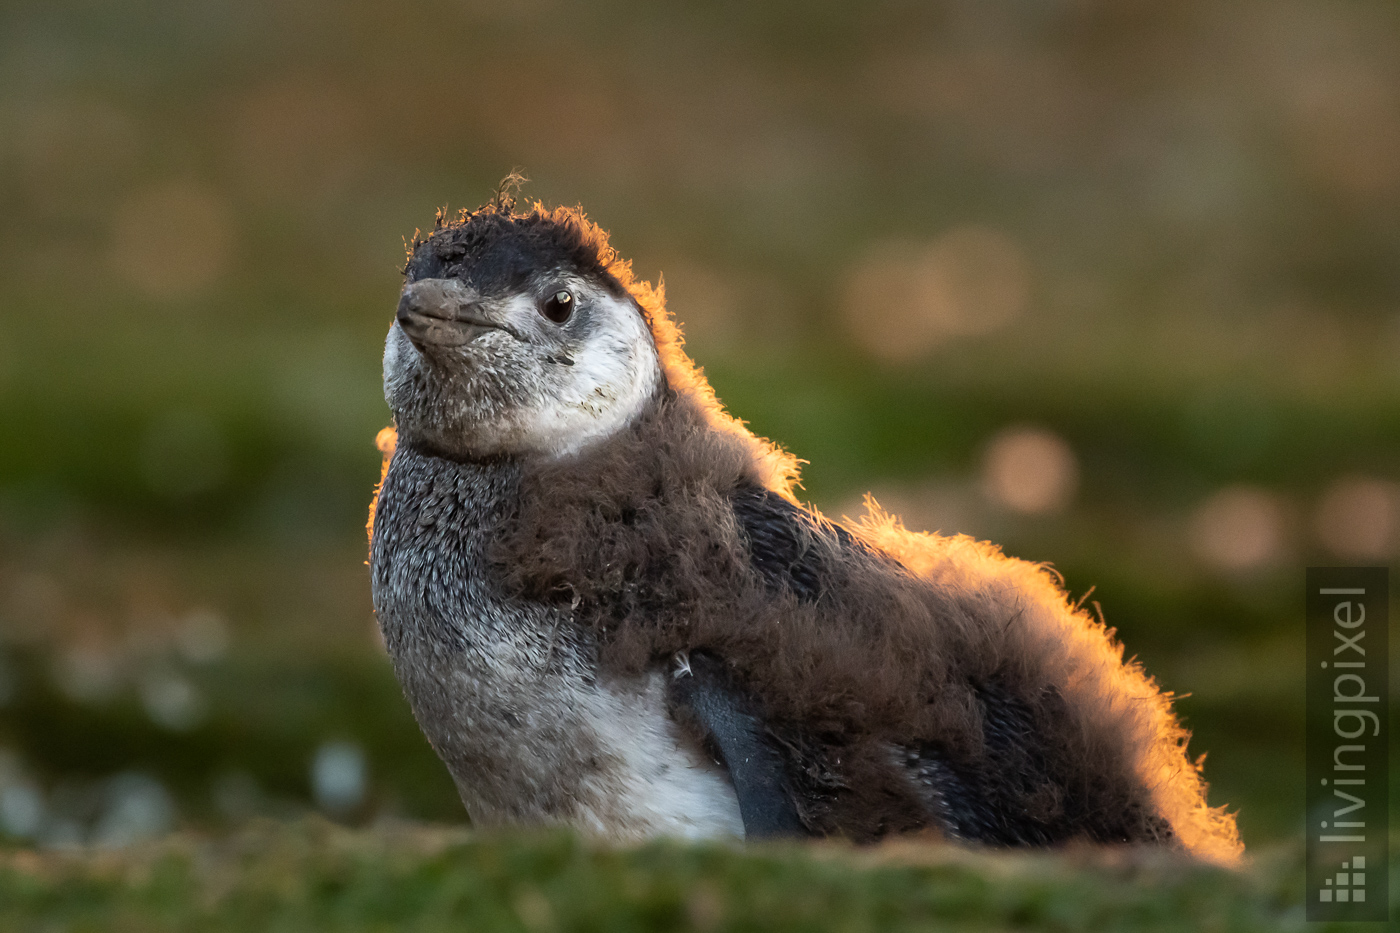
pixel 607 609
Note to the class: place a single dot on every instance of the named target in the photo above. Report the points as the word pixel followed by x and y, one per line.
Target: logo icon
pixel 1350 883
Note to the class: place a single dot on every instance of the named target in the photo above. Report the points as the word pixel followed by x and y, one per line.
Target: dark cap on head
pixel 496 250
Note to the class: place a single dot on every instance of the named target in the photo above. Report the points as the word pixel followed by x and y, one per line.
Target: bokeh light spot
pixel 1238 528
pixel 137 808
pixel 203 637
pixel 21 801
pixel 21 809
pixel 171 700
pixel 1030 470
pixel 1358 517
pixel 339 776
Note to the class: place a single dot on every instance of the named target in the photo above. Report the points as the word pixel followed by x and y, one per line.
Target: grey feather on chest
pixel 434 521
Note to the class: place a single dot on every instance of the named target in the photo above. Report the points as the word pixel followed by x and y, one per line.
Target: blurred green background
pixel 1114 283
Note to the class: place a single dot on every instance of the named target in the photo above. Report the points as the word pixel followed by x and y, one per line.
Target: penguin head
pixel 515 336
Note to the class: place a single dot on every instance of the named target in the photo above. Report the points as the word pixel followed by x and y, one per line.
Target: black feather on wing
pixel 785 541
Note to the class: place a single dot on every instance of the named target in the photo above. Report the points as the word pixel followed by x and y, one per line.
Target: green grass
pixel 313 875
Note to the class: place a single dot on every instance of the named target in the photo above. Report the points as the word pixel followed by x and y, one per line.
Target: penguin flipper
pixel 703 696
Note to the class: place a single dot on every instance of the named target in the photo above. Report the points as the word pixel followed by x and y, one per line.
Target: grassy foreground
pixel 312 875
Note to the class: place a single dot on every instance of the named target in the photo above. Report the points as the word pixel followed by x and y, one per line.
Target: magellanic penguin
pixel 608 611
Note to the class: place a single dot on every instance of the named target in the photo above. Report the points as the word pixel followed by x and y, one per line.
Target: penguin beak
pixel 437 313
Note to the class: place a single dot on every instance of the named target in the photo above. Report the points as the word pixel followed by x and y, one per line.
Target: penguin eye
pixel 558 307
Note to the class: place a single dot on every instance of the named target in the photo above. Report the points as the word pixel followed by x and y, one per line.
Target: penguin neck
pixel 486 489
